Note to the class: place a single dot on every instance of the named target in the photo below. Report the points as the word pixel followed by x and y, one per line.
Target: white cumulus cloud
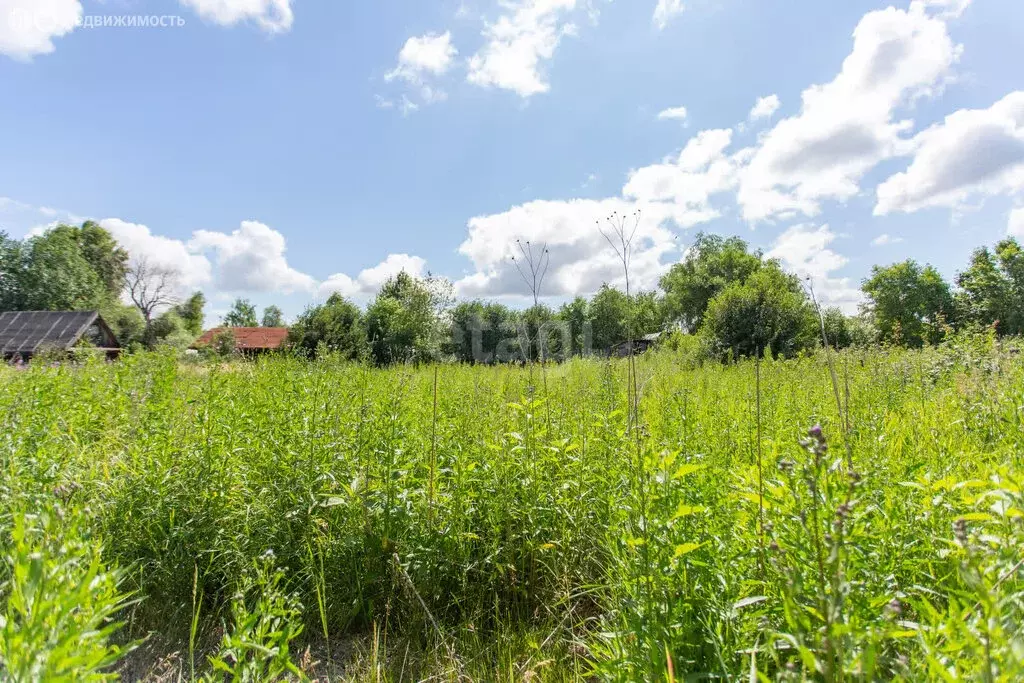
pixel 429 54
pixel 250 259
pixel 974 152
pixel 423 57
pixel 274 16
pixel 518 44
pixel 29 27
pixel 847 126
pixel 193 269
pixel 804 250
pixel 581 258
pixel 686 184
pixel 369 281
pixel 765 107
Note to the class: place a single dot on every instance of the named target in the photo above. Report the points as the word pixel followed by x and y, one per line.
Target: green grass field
pixel 285 519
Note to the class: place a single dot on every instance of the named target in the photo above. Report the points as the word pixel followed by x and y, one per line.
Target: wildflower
pixel 894 608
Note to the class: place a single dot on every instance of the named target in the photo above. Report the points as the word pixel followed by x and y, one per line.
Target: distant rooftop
pixel 249 338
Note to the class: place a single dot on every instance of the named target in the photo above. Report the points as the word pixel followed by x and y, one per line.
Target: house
pixel 248 340
pixel 24 334
pixel 624 349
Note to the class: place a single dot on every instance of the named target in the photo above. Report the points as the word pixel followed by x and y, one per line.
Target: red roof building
pixel 249 339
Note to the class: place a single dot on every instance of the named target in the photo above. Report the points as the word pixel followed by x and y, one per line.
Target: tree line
pixel 723 298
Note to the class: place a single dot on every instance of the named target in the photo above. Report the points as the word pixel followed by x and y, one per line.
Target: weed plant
pixel 661 519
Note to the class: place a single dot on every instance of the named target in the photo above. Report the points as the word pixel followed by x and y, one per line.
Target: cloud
pixel 847 126
pixel 675 193
pixel 666 11
pixel 765 107
pixel 949 9
pixel 885 240
pixel 421 57
pixel 250 259
pixel 273 16
pixel 369 281
pixel 518 43
pixel 29 27
pixel 974 152
pixel 673 114
pixel 804 250
pixel 581 258
pixel 193 269
pixel 1015 227
pixel 685 185
pixel 429 54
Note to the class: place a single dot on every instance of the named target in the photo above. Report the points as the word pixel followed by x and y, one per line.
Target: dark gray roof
pixel 31 331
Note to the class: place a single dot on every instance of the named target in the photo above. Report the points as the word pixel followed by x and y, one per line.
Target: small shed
pixel 634 347
pixel 248 340
pixel 24 334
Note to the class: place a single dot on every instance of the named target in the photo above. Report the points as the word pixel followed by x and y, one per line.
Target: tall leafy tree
pixel 191 313
pixel 335 326
pixel 65 268
pixel 992 288
pixel 910 305
pixel 769 312
pixel 711 264
pixel 12 270
pixel 481 332
pixel 540 333
pixel 576 314
pixel 609 314
pixel 57 276
pixel 272 317
pixel 104 254
pixel 242 314
pixel 407 321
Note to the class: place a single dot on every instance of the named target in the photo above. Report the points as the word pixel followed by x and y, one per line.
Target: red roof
pixel 249 337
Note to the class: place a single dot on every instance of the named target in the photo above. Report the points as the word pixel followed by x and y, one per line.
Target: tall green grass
pixel 493 529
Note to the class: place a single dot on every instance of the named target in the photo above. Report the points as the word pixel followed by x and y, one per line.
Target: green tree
pixel 12 269
pixel 989 294
pixel 540 333
pixel 648 314
pixel 609 315
pixel 768 312
pixel 103 253
pixel 170 330
pixel 272 317
pixel 407 320
pixel 191 313
pixel 336 326
pixel 125 322
pixel 56 275
pixel 710 265
pixel 479 330
pixel 66 268
pixel 838 329
pixel 576 314
pixel 242 314
pixel 910 305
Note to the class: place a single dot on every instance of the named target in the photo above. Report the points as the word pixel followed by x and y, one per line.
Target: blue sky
pixel 284 149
